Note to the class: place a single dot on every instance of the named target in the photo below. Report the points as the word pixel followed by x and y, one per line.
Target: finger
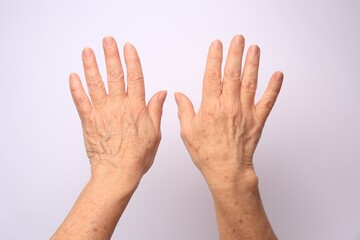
pixel 93 79
pixel 250 77
pixel 267 101
pixel 135 78
pixel 232 72
pixel 186 112
pixel 79 96
pixel 115 73
pixel 212 77
pixel 155 108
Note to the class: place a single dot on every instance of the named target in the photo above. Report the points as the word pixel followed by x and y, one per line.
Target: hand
pixel 121 137
pixel 121 133
pixel 222 137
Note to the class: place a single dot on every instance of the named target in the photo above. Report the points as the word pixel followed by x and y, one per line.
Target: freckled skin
pixel 121 135
pixel 222 136
pixel 137 139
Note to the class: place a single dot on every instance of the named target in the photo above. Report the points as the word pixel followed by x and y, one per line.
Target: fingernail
pixel 88 52
pixel 162 95
pixel 108 41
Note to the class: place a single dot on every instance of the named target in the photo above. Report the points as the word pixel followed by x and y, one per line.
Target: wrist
pixel 222 182
pixel 115 179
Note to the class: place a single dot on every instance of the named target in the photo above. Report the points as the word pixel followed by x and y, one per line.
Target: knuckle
pixel 159 137
pixel 270 99
pixel 157 111
pixel 74 90
pixel 153 138
pixel 252 64
pixel 232 74
pixel 183 134
pixel 79 100
pixel 95 85
pixel 275 91
pixel 231 112
pixel 135 77
pixel 213 74
pixel 249 85
pixel 269 104
pixel 115 73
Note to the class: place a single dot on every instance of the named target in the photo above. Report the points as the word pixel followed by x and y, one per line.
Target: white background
pixel 308 158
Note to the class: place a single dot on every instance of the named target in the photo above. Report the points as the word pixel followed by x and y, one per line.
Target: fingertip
pixel 178 97
pixel 157 100
pixel 254 49
pixel 72 76
pixel 73 79
pixel 185 109
pixel 155 107
pixel 183 101
pixel 162 96
pixel 216 44
pixel 239 39
pixel 276 81
pixel 87 52
pixel 108 41
pixel 279 75
pixel 128 47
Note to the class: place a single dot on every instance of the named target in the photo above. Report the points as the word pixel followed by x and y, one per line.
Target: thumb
pixel 155 108
pixel 185 110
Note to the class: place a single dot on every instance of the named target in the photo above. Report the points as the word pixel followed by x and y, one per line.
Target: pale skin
pixel 122 134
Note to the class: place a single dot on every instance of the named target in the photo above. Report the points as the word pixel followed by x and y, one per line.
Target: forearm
pixel 97 209
pixel 239 211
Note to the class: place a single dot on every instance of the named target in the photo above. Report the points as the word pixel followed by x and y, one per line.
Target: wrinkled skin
pixel 222 136
pixel 121 133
